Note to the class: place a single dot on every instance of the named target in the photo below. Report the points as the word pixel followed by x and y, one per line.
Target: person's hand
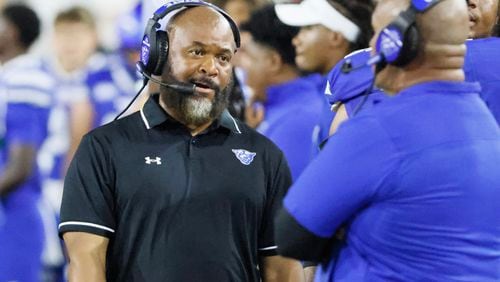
pixel 254 114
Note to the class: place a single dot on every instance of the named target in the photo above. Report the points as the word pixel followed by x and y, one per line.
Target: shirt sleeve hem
pixel 85 227
pixel 268 251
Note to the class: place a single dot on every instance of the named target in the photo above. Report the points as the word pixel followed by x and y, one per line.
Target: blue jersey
pixel 349 88
pixel 482 64
pixel 26 91
pixel 291 112
pixel 321 129
pixel 70 89
pixel 25 97
pixel 415 181
pixel 111 86
pixel 106 83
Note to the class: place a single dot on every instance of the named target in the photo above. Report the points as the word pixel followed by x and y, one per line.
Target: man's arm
pixel 280 269
pixel 340 117
pixel 19 166
pixel 334 187
pixel 86 255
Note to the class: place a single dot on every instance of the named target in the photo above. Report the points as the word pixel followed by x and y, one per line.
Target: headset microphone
pixel 187 88
pixel 183 87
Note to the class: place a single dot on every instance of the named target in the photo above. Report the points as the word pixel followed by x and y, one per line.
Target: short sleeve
pixel 344 178
pixel 281 181
pixel 88 203
pixel 26 124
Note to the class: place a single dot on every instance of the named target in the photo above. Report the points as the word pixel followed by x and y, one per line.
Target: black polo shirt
pixel 176 207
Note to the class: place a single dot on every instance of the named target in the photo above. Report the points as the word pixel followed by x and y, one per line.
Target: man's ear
pixel 275 61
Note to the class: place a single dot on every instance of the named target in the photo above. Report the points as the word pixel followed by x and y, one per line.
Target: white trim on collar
pixel 144 119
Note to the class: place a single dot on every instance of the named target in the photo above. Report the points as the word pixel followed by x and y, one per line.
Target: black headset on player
pixel 155 45
pixel 398 43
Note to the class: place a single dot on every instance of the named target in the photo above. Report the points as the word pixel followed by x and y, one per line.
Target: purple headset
pixel 398 43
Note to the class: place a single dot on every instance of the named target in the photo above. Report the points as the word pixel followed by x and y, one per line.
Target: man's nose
pixel 209 67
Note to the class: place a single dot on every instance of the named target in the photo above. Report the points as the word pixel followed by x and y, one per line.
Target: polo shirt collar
pixel 441 86
pixel 152 114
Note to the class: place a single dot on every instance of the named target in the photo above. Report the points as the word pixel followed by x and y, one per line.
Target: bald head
pixel 201 20
pixel 443 30
pixel 446 22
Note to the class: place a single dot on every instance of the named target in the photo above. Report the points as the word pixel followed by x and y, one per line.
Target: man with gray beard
pixel 179 191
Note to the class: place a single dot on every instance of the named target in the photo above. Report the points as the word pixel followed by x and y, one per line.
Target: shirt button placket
pixel 192 143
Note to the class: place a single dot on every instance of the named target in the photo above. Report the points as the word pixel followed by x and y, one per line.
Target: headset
pixel 155 45
pixel 398 43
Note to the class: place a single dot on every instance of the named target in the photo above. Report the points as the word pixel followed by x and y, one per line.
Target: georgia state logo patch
pixel 244 156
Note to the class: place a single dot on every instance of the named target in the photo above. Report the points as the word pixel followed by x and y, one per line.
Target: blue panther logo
pixel 244 156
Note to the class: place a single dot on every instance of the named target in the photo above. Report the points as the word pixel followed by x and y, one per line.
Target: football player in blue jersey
pixel 25 98
pixel 290 101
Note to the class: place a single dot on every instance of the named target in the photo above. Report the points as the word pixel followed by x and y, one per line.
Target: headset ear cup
pixel 411 43
pixel 162 51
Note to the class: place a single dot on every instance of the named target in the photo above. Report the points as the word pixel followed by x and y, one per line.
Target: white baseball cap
pixel 313 12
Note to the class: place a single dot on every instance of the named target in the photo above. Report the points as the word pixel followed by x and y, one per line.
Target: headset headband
pixel 398 42
pixel 155 45
pixel 166 9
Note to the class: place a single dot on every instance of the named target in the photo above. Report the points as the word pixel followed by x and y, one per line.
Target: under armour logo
pixel 149 160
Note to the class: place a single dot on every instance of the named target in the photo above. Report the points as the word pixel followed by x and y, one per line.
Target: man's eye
pixel 225 58
pixel 197 52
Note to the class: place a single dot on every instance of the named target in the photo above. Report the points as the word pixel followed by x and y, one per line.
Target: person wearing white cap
pixel 329 30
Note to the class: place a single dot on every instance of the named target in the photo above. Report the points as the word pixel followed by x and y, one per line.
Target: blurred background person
pixel 25 97
pixel 106 14
pixel 329 30
pixel 483 17
pixel 240 11
pixel 93 87
pixel 290 102
pixel 74 42
pixel 483 53
pixel 111 77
